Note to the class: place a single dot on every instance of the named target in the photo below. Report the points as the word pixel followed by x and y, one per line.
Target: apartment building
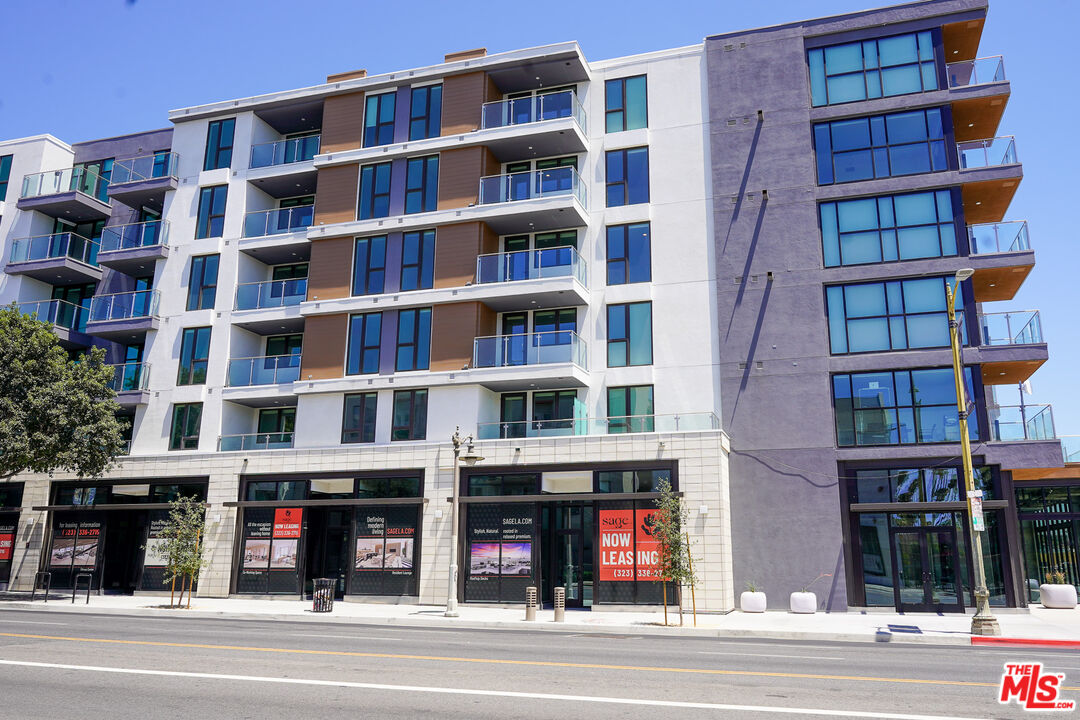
pixel 573 263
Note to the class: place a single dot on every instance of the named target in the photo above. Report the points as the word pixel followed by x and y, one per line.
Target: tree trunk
pixel 172 592
pixel 664 585
pixel 190 585
pixel 679 590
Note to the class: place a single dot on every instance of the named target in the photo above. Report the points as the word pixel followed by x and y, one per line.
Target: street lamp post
pixel 470 458
pixel 984 622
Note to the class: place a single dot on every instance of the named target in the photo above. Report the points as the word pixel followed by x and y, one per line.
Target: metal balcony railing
pixel 542 348
pixel 989 238
pixel 268 370
pixel 284 152
pixel 1020 327
pixel 531 264
pixel 536 108
pixel 255 441
pixel 129 377
pixel 279 221
pixel 55 182
pixel 270 294
pixel 980 71
pixel 131 236
pixel 684 422
pixel 145 167
pixel 1070 448
pixel 532 184
pixel 125 306
pixel 58 245
pixel 58 313
pixel 991 152
pixel 1010 423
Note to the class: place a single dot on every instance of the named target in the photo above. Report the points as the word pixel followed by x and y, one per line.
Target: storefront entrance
pixel 123 550
pixel 328 547
pixel 926 561
pixel 567 529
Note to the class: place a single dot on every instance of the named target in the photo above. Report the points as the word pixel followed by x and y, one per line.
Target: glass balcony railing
pixel 991 152
pixel 255 441
pixel 270 294
pixel 687 422
pixel 270 370
pixel 55 182
pixel 542 348
pixel 1021 327
pixel 1070 448
pixel 284 152
pixel 125 306
pixel 130 377
pixel 532 184
pixel 279 221
pixel 60 245
pixel 1002 237
pixel 980 71
pixel 531 264
pixel 1010 423
pixel 536 108
pixel 135 235
pixel 146 167
pixel 58 313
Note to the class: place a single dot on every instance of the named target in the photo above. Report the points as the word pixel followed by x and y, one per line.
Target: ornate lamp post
pixel 470 458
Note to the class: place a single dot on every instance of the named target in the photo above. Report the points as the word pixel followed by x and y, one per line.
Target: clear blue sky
pixel 85 69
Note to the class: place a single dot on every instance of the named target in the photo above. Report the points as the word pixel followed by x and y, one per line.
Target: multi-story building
pixel 573 262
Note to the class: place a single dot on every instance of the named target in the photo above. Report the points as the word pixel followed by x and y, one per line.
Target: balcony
pixel 269 370
pixel 255 441
pixel 278 236
pixel 130 383
pixel 990 172
pixel 534 201
pixel 1070 448
pixel 1002 258
pixel 1015 423
pixel 270 307
pixel 686 422
pixel 532 278
pixel 1011 346
pixel 535 126
pixel 59 259
pixel 124 317
pixel 74 194
pixel 979 92
pixel 979 71
pixel 144 180
pixel 285 152
pixel 540 360
pixel 134 248
pixel 67 319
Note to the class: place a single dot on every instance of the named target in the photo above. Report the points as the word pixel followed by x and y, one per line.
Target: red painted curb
pixel 979 640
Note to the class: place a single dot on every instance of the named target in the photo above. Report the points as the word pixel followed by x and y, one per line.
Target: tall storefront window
pixel 10 504
pixel 1050 533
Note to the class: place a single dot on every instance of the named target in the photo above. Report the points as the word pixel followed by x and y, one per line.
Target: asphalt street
pixel 56 665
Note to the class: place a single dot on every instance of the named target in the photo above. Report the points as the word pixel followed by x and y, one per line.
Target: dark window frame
pixel 879 150
pixel 424 264
pixel 369 182
pixel 5 174
pixel 609 111
pixel 416 342
pixel 190 363
pixel 425 196
pixel 182 413
pixel 417 404
pixel 366 248
pixel 202 295
pixel 361 353
pixel 430 117
pixel 629 421
pixel 211 224
pixel 625 182
pixel 380 132
pixel 365 432
pixel 218 153
pixel 628 339
pixel 624 262
pixel 877 68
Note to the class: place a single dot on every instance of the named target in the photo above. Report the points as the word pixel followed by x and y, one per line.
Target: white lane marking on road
pixel 29 622
pixel 343 637
pixel 489 693
pixel 753 655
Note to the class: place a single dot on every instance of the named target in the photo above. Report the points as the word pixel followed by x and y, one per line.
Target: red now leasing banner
pixel 628 549
pixel 287 522
pixel 7 541
pixel 648 548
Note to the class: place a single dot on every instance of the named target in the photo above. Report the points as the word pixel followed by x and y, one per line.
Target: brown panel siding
pixel 462 98
pixel 330 269
pixel 335 194
pixel 459 175
pixel 456 248
pixel 454 326
pixel 324 347
pixel 343 122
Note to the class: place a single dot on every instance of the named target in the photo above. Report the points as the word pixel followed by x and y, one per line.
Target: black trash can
pixel 323 595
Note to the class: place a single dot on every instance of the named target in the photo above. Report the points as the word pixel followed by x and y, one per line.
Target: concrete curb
pixel 435 621
pixel 1024 642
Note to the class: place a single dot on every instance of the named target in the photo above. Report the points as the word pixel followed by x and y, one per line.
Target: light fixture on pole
pixel 984 622
pixel 470 458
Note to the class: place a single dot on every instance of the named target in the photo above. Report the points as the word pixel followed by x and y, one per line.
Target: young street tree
pixel 55 414
pixel 180 545
pixel 674 564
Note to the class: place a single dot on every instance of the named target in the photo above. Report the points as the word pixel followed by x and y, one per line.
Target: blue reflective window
pixel 418 260
pixel 425 112
pixel 888 228
pixel 628 254
pixel 211 218
pixel 219 144
pixel 895 65
pixel 625 104
pixel 629 334
pixel 369 265
pixel 374 191
pixel 899 408
pixel 5 173
pixel 365 332
pixel 422 184
pixel 894 315
pixel 413 339
pixel 379 119
pixel 880 146
pixel 627 176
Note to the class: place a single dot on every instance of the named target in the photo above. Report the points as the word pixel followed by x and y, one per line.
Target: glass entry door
pixel 569 529
pixel 927 562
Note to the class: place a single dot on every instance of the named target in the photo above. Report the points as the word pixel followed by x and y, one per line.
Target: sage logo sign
pixel 628 550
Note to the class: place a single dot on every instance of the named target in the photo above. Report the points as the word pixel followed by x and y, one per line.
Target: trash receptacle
pixel 323 595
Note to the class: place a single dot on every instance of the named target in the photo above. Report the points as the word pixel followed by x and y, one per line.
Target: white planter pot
pixel 1058 596
pixel 752 602
pixel 803 602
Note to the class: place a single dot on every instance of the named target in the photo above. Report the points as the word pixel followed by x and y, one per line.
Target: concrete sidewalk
pixel 1040 624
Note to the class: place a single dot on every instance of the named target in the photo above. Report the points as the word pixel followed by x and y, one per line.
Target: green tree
pixel 55 413
pixel 674 564
pixel 181 545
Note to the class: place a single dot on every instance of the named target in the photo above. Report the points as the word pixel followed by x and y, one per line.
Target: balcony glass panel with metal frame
pixel 1012 423
pixel 270 294
pixel 269 370
pixel 255 441
pixel 58 313
pixel 132 236
pixel 58 245
pixel 542 348
pixel 1020 327
pixel 145 167
pixel 531 185
pixel 686 422
pixel 562 261
pixel 533 109
pixel 130 377
pixel 125 306
pixel 980 71
pixel 991 152
pixel 278 221
pixel 56 182
pixel 1003 237
pixel 285 152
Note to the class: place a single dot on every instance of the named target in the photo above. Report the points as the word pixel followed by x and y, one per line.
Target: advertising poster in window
pixel 616 528
pixel 501 550
pixel 628 559
pixel 384 551
pixel 254 565
pixel 155 562
pixel 75 544
pixel 7 542
pixel 647 548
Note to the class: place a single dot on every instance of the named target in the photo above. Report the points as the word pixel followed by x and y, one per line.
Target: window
pixel 418 260
pixel 93 178
pixel 902 407
pixel 627 177
pixel 422 184
pixel 369 265
pixel 425 112
pixel 933 484
pixel 410 415
pixel 630 409
pixel 276 491
pixel 629 334
pixel 219 144
pixel 297 271
pixel 413 339
pixel 202 282
pixel 374 191
pixel 364 334
pixel 387 487
pixel 358 425
pixel 280 423
pixel 894 315
pixel 625 104
pixel 186 420
pixel 553 410
pixel 194 356
pixel 5 173
pixel 516 484
pixel 281 345
pixel 379 119
pixel 880 146
pixel 628 255
pixel 211 221
pixel 626 481
pixel 888 228
pixel 512 417
pixel 895 65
